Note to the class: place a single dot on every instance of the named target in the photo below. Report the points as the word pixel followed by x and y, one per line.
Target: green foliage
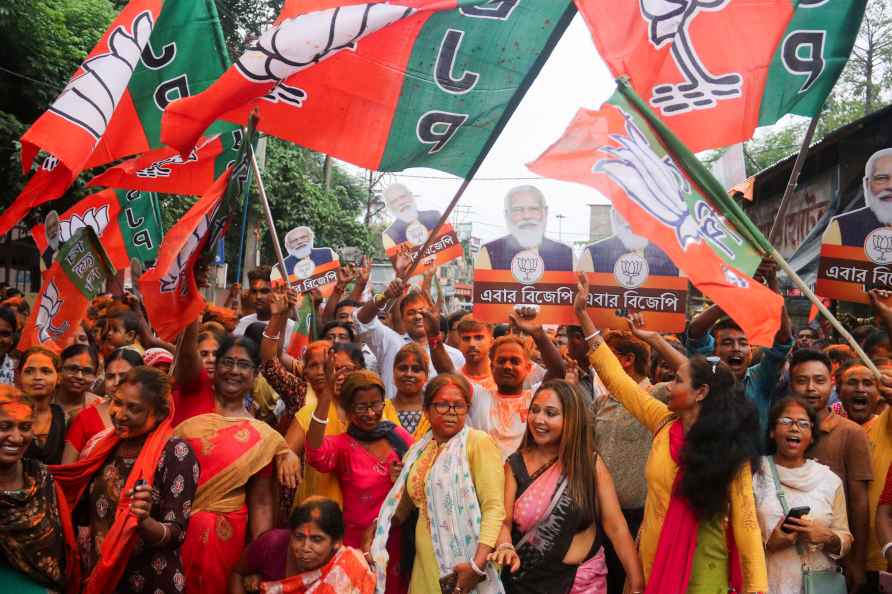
pixel 294 182
pixel 245 20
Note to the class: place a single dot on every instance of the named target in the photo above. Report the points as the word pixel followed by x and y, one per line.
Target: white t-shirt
pixel 248 320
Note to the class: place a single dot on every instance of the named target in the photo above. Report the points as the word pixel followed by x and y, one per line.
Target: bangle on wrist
pixel 593 335
pixel 268 337
pixel 318 420
pixel 505 545
pixel 476 569
pixel 886 548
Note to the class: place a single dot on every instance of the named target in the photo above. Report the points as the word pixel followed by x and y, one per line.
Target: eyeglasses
pixel 75 370
pixel 240 364
pixel 443 408
pixel 715 362
pixel 370 407
pixel 788 422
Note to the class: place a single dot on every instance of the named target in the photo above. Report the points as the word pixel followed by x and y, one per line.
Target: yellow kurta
pixel 326 484
pixel 485 461
pixel 660 473
pixel 879 434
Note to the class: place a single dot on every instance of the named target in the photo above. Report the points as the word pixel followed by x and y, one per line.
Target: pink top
pixel 365 480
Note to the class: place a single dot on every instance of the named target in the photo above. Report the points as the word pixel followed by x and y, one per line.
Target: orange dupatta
pixel 73 480
pixel 350 566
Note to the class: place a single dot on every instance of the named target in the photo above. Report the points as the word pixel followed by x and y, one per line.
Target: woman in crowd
pixel 94 419
pixel 236 490
pixel 707 428
pixel 308 557
pixel 136 486
pixel 37 544
pixel 822 536
pixel 452 463
pixel 366 459
pixel 560 504
pixel 410 373
pixel 8 340
pixel 79 366
pixel 38 376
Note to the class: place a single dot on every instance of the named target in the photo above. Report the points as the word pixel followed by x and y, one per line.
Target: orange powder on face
pixel 40 360
pixel 16 411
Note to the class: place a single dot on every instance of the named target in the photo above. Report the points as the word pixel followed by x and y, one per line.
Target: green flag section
pixel 79 272
pixel 127 223
pixel 184 55
pixel 425 83
pixel 810 58
pixel 155 51
pixel 714 71
pixel 663 191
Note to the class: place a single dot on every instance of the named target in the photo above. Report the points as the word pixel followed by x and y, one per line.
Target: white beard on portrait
pixel 881 204
pixel 529 233
pixel 407 214
pixel 300 252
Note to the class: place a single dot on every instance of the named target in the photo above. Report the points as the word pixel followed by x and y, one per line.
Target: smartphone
pixel 795 512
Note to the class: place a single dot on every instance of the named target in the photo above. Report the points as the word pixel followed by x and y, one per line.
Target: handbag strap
pixel 782 497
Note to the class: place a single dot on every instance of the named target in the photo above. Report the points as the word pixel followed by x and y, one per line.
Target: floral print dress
pixel 151 569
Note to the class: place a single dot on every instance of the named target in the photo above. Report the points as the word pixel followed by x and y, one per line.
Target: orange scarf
pixel 73 480
pixel 349 564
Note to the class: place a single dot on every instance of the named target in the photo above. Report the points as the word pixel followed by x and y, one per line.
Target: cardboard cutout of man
pixel 526 216
pixel 409 224
pixel 604 255
pixel 302 257
pixel 875 219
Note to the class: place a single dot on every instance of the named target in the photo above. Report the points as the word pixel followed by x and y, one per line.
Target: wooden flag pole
pixel 837 325
pixel 280 259
pixel 794 178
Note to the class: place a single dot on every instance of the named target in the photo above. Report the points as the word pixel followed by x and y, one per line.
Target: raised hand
pixel 431 323
pixel 636 326
pixel 278 301
pixel 580 301
pixel 346 275
pixel 524 319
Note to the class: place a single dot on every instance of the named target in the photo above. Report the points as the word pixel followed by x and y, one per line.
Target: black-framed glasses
pixel 714 361
pixel 443 408
pixel 77 370
pixel 369 407
pixel 788 422
pixel 240 364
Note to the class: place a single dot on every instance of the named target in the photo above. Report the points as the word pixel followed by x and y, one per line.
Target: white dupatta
pixel 452 507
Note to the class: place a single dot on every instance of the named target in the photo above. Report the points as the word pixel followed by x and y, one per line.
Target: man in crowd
pixel 421 327
pixel 475 341
pixel 260 288
pixel 842 446
pixel 858 392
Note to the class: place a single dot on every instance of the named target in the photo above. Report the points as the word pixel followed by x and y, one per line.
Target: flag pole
pixel 837 325
pixel 794 178
pixel 280 259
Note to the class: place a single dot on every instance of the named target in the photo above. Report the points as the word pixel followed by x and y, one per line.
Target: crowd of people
pixel 412 450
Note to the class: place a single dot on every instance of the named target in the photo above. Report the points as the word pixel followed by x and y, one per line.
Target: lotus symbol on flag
pixel 669 21
pixel 50 304
pixel 882 245
pixel 654 184
pixel 307 39
pixel 97 218
pixel 90 99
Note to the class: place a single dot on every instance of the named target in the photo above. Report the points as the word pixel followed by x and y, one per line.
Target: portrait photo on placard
pixel 411 228
pixel 856 249
pixel 525 267
pixel 309 267
pixel 627 272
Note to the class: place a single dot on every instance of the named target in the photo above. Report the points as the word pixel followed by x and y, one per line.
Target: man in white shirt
pixel 421 327
pixel 260 287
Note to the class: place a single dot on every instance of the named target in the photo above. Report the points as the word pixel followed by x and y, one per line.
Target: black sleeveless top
pixel 542 567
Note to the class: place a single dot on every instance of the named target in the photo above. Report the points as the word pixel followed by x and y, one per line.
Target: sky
pixel 574 77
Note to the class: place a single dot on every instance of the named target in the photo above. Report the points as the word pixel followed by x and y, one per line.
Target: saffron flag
pixel 79 273
pixel 170 289
pixel 431 88
pixel 302 335
pixel 714 71
pixel 165 170
pixel 112 106
pixel 668 196
pixel 127 223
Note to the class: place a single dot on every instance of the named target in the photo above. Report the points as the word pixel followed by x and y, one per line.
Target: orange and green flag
pixel 165 170
pixel 385 86
pixel 153 52
pixel 79 272
pixel 714 71
pixel 624 151
pixel 128 223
